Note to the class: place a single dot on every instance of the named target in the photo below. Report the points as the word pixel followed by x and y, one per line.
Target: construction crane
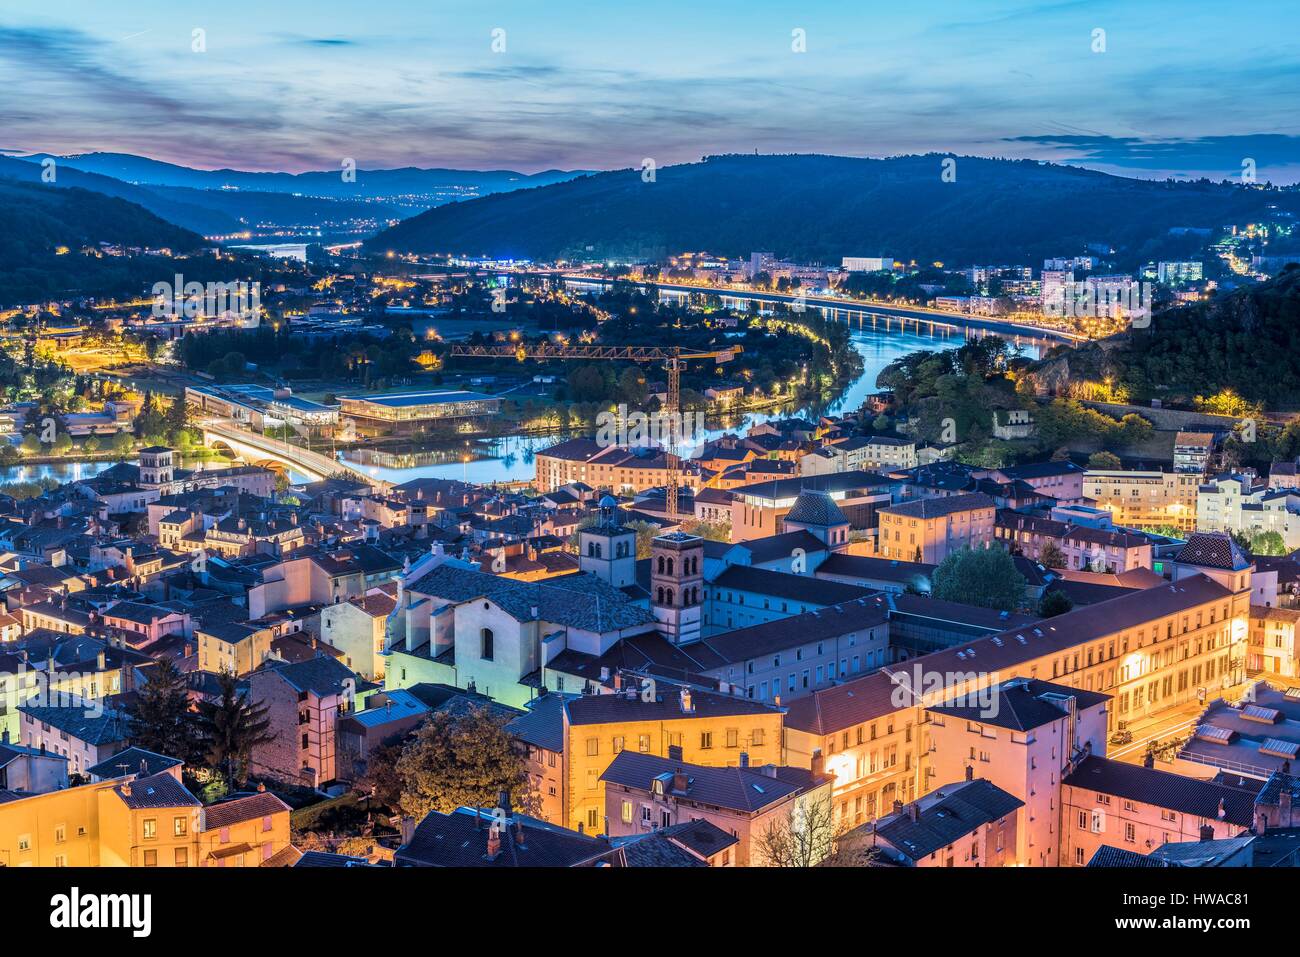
pixel 673 358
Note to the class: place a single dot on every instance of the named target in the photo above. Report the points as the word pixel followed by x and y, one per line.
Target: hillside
pixel 821 208
pixel 36 220
pixel 1247 341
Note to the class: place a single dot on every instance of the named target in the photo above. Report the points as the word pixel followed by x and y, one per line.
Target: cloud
pixel 1213 156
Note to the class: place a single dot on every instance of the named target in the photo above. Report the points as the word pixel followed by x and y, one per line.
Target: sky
pixel 1152 88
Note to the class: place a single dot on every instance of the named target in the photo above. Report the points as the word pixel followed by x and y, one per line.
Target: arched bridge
pixel 266 452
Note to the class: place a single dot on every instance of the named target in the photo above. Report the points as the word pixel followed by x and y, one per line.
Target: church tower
pixel 608 549
pixel 677 585
pixel 156 467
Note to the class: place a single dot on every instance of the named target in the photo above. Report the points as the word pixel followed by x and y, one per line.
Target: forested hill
pixel 38 222
pixel 1247 341
pixel 821 208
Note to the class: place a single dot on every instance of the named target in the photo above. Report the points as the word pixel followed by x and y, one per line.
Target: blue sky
pixel 1183 88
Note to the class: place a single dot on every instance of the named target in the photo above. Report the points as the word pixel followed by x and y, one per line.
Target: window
pixel 593 747
pixel 486 640
pixel 266 823
pixel 1130 833
pixel 627 812
pixel 60 834
pixel 182 857
pixel 643 744
pixel 150 828
pixel 180 826
pixel 733 738
pixel 151 858
pixel 618 744
pixel 593 819
pixel 706 740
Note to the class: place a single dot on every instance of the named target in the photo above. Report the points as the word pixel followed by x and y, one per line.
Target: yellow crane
pixel 674 359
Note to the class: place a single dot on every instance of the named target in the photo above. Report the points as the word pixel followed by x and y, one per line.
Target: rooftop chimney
pixel 1207 832
pixel 818 763
pixel 688 707
pixel 680 781
pixel 493 843
pixel 914 811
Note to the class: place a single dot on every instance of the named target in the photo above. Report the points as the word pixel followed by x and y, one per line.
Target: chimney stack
pixel 1207 832
pixel 680 781
pixel 818 764
pixel 914 811
pixel 493 843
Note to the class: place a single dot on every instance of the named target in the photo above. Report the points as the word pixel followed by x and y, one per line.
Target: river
pixel 510 459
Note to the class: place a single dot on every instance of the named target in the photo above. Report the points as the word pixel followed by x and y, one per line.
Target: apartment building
pixel 1145 499
pixel 928 529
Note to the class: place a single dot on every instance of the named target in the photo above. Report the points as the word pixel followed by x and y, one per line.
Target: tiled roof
pixel 816 507
pixel 155 791
pixel 322 675
pixel 242 809
pixel 542 725
pixel 774 584
pixel 133 761
pixel 656 849
pixel 866 567
pixel 738 789
pixel 842 706
pixel 1109 856
pixel 937 506
pixel 81 722
pixel 1022 705
pixel 666 706
pixel 945 815
pixel 774 547
pixel 832 621
pixel 1163 789
pixel 460 839
pixel 1212 550
pixel 581 600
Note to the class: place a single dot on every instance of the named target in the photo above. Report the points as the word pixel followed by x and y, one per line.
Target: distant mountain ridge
pixel 368 184
pixel 822 208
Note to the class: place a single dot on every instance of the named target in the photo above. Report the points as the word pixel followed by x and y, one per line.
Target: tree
pixel 805 836
pixel 1104 460
pixel 231 727
pixel 1054 603
pixel 985 577
pixel 462 760
pixel 31 444
pixel 123 443
pixel 713 531
pixel 1051 555
pixel 160 713
pixel 1268 543
pixel 381 780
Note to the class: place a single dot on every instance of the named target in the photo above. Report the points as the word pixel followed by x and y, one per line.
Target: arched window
pixel 659 597
pixel 670 566
pixel 485 644
pixel 661 564
pixel 668 594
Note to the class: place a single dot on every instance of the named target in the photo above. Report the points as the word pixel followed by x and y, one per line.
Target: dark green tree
pixel 230 728
pixel 160 714
pixel 985 577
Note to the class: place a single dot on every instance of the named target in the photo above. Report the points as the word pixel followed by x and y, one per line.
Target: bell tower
pixel 677 585
pixel 156 466
pixel 608 549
